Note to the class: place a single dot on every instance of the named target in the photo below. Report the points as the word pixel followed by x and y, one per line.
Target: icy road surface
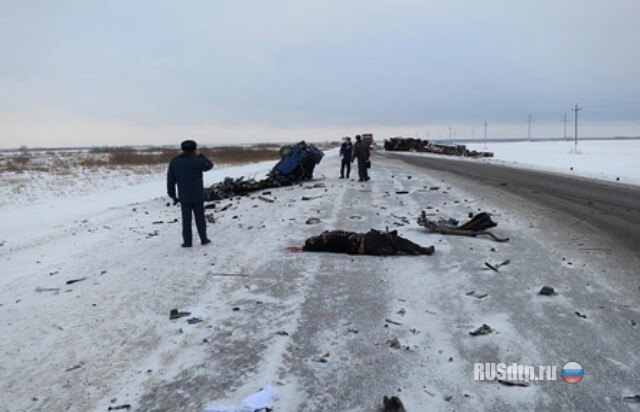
pixel 316 326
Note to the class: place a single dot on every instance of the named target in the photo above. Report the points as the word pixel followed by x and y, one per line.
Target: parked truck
pixel 368 139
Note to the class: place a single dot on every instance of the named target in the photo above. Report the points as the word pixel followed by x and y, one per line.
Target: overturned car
pixel 297 164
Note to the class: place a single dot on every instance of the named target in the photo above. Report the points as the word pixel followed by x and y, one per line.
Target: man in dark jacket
pixel 186 170
pixel 346 153
pixel 361 152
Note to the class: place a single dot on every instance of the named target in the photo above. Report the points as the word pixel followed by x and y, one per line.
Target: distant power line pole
pixel 485 134
pixel 577 109
pixel 529 128
pixel 450 134
pixel 564 135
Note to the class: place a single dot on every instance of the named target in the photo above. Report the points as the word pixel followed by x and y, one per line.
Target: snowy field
pixel 87 283
pixel 606 160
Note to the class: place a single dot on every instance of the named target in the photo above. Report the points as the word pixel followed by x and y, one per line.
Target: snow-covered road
pixel 270 315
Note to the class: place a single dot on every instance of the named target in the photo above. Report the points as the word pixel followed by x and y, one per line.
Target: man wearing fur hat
pixel 186 171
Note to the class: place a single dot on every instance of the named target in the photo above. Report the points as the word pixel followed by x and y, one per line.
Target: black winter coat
pixel 186 170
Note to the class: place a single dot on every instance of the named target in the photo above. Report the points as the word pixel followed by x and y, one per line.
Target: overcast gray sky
pixel 111 72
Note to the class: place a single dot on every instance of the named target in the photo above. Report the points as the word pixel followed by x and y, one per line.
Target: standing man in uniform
pixel 186 170
pixel 346 153
pixel 361 152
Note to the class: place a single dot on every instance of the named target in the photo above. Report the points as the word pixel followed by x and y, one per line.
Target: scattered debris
pixel 447 398
pixel 482 330
pixel 73 368
pixel 39 289
pixel 194 320
pixel 476 295
pixel 72 281
pixel 119 407
pixel 547 291
pixel 266 199
pixel 393 404
pixel 475 227
pixel 393 322
pixel 283 333
pixel 632 398
pixel 312 221
pixel 323 358
pixel 310 197
pixel 495 267
pixel 394 343
pixel 402 192
pixel 210 218
pixel 580 314
pixel 175 314
pixel 235 308
pixel 508 382
pixel 157 222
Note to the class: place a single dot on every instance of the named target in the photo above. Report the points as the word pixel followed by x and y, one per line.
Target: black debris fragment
pixel 119 407
pixel 482 330
pixel 394 343
pixel 496 267
pixel 72 281
pixel 323 358
pixel 266 199
pixel 632 398
pixel 507 382
pixel 547 291
pixel 176 314
pixel 393 404
pixel 73 368
pixel 580 314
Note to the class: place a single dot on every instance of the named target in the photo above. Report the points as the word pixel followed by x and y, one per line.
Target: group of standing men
pixel 349 153
pixel 186 170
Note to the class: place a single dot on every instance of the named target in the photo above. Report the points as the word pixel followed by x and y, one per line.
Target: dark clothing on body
pixel 361 152
pixel 346 153
pixel 374 242
pixel 345 167
pixel 197 208
pixel 186 170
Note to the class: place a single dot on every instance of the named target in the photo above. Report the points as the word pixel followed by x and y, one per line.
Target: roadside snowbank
pixel 606 160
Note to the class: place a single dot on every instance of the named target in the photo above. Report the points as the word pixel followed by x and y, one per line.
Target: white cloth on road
pixel 258 402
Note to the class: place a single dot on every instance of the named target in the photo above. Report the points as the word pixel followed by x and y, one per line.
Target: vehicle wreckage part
pixel 460 230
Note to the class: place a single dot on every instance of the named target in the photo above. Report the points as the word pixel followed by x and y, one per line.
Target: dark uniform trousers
pixel 197 208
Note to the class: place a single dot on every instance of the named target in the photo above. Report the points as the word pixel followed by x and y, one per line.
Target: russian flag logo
pixel 572 372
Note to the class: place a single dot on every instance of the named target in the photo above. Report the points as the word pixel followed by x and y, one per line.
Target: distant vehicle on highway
pixel 368 139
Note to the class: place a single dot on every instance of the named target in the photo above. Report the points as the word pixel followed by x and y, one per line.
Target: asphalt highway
pixel 612 208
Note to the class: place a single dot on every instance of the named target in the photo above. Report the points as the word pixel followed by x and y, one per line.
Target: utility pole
pixel 577 109
pixel 529 129
pixel 564 135
pixel 450 135
pixel 485 134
